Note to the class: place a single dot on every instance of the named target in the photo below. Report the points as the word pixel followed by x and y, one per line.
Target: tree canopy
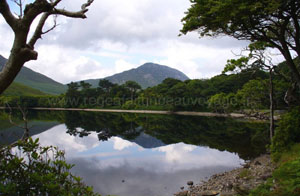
pixel 275 22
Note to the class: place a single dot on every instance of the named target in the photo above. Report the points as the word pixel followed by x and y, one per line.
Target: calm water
pixel 144 155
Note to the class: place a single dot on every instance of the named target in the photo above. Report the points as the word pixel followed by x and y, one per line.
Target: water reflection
pixel 120 167
pixel 248 139
pixel 146 155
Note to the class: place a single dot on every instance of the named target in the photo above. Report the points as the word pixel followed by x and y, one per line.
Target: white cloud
pixel 120 144
pixel 120 35
pixel 71 144
pixel 177 152
pixel 122 65
pixel 182 155
pixel 67 65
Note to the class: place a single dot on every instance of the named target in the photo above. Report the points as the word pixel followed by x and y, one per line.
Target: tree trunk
pixel 14 65
pixel 291 64
pixel 22 51
pixel 271 105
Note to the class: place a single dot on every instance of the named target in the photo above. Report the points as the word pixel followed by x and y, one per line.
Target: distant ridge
pixel 36 80
pixel 16 89
pixel 147 75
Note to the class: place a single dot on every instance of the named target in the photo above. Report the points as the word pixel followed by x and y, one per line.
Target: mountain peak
pixel 149 64
pixel 147 75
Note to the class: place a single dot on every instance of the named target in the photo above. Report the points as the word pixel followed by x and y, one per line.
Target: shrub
pixel 287 133
pixel 29 169
pixel 129 105
pixel 285 180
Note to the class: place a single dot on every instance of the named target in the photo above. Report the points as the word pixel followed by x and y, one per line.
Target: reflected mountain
pixel 143 155
pixel 14 133
pixel 147 141
pixel 246 138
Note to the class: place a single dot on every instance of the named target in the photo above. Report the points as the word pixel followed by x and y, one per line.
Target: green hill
pixel 16 89
pixel 36 80
pixel 147 75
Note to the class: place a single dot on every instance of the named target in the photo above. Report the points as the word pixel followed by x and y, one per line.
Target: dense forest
pixel 246 89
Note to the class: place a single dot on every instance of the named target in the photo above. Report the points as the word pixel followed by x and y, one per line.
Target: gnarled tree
pixel 275 22
pixel 23 46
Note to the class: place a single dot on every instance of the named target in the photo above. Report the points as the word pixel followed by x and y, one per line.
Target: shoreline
pixel 183 113
pixel 239 181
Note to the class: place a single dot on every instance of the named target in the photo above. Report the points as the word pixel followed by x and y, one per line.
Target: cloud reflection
pixel 120 144
pixel 121 167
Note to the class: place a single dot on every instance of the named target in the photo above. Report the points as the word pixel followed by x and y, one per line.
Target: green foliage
pixel 222 93
pixel 129 105
pixel 133 87
pixel 287 133
pixel 286 178
pixel 196 94
pixel 233 64
pixel 48 101
pixel 254 94
pixel 252 20
pixel 245 173
pixel 223 103
pixel 29 169
pixel 17 89
pixel 105 85
pixel 212 17
pixel 255 60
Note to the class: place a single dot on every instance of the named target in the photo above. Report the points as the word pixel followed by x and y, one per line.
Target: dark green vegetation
pixel 247 89
pixel 36 81
pixel 285 178
pixel 275 23
pixel 106 95
pixel 266 24
pixel 38 171
pixel 285 150
pixel 146 75
pixel 218 133
pixel 271 23
pixel 287 133
pixel 246 138
pixel 223 93
pixel 17 89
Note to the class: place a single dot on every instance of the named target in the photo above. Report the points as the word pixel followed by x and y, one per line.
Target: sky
pixel 119 35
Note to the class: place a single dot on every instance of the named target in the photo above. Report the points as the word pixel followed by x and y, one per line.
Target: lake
pixel 143 155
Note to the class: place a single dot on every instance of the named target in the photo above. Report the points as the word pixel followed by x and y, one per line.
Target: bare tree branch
pixel 39 30
pixel 20 5
pixel 87 4
pixel 34 9
pixel 79 14
pixel 53 26
pixel 55 3
pixel 8 16
pixel 24 115
pixel 23 51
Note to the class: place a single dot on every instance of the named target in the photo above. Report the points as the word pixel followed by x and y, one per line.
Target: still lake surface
pixel 143 155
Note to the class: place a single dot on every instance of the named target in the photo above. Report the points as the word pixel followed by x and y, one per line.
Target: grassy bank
pixel 286 177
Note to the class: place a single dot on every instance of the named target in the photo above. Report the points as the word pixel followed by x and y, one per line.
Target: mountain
pixel 36 80
pixel 146 141
pixel 16 89
pixel 147 75
pixel 10 133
